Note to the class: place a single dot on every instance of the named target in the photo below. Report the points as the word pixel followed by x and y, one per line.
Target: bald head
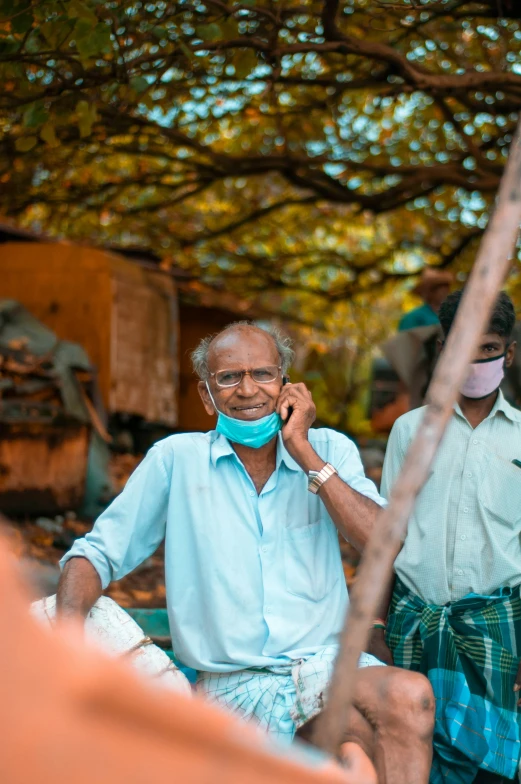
pixel 242 344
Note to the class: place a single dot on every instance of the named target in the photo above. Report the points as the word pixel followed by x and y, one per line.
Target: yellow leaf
pixel 26 143
pixel 87 116
pixel 48 135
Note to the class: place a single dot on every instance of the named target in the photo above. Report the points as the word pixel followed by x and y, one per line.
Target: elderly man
pixel 255 587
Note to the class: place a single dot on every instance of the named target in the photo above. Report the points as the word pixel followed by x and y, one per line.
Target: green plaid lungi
pixel 469 650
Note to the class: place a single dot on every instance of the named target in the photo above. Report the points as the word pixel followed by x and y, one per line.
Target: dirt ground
pixel 39 552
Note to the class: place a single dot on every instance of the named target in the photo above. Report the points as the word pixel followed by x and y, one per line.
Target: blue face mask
pixel 254 433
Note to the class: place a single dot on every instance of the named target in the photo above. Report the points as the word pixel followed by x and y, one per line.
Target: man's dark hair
pixel 501 322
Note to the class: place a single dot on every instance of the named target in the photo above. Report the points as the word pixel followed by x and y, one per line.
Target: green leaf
pixel 35 115
pixel 9 8
pixel 186 50
pixel 102 36
pixel 33 43
pixel 244 61
pixel 78 10
pixel 87 116
pixel 25 143
pixel 229 28
pixel 19 13
pixel 91 42
pixel 56 33
pixel 21 24
pixel 209 32
pixel 9 47
pixel 139 84
pixel 158 32
pixel 48 134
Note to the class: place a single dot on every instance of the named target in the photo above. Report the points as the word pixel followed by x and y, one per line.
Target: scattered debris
pixel 46 416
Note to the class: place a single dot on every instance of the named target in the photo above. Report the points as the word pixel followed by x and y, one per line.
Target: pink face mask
pixel 484 377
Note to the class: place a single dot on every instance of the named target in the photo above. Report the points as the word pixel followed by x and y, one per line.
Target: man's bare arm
pixel 353 513
pixel 377 644
pixel 79 588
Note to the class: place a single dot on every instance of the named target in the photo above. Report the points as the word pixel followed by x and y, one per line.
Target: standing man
pixel 456 610
pixel 255 588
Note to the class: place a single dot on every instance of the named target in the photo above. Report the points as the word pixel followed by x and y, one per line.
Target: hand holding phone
pixel 295 406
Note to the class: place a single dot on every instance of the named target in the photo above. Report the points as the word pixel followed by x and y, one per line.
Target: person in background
pixel 372 460
pixel 456 609
pixel 433 288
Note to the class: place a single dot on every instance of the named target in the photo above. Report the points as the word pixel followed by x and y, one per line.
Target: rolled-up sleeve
pixel 349 466
pixel 133 526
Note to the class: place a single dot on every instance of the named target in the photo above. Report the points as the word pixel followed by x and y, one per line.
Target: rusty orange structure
pixel 124 316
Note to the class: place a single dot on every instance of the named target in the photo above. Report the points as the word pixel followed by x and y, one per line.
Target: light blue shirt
pixel 251 580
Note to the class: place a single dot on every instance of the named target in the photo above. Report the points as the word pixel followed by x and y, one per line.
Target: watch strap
pixel 317 478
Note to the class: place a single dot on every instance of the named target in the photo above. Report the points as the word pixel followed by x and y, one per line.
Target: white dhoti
pixel 279 700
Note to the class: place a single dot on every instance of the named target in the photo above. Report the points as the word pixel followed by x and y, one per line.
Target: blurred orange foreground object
pixel 69 715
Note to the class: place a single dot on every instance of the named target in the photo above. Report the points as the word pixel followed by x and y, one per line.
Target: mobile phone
pixel 285 380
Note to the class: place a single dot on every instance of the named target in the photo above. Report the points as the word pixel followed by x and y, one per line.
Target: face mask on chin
pixel 484 377
pixel 253 433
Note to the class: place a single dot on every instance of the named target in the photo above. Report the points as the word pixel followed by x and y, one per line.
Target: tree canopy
pixel 302 152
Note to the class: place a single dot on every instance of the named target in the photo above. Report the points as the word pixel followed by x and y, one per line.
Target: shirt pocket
pixel 500 491
pixel 311 560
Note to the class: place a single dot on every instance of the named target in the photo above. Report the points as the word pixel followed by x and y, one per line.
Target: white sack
pixel 114 630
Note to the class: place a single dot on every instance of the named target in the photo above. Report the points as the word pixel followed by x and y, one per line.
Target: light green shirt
pixel 465 532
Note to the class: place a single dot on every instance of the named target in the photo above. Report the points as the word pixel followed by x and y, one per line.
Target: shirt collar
pixel 283 456
pixel 501 404
pixel 221 447
pixel 509 411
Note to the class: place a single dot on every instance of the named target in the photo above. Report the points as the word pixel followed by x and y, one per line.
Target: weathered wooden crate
pixel 123 315
pixel 42 466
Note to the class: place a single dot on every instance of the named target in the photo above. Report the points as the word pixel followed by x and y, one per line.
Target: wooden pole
pixel 489 271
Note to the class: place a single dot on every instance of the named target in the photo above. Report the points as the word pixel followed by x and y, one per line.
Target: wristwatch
pixel 317 478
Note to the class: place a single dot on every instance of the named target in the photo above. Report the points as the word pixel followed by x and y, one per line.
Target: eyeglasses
pixel 232 378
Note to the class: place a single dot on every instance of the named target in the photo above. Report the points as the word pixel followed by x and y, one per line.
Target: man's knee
pixel 409 701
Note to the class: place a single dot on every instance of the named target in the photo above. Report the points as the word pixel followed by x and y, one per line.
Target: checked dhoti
pixel 469 650
pixel 281 699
